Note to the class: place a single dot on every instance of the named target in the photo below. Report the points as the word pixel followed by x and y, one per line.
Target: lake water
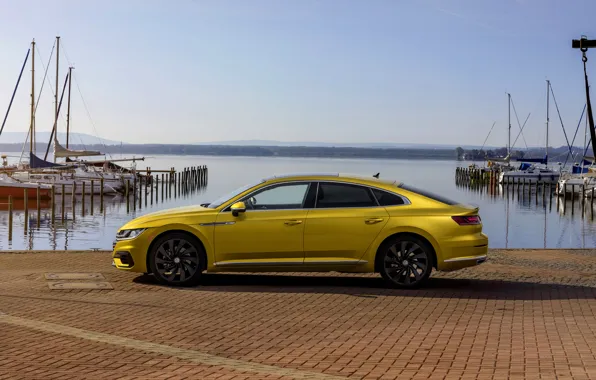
pixel 509 221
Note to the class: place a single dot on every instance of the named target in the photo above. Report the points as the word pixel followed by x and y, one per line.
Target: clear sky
pixel 403 71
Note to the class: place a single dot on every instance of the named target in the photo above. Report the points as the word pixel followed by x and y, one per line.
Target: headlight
pixel 129 234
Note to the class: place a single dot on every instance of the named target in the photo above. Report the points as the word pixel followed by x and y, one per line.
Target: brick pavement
pixel 524 314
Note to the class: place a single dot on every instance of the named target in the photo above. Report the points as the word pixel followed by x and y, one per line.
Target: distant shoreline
pixel 267 151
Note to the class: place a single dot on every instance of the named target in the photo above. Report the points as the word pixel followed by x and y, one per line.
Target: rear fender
pixel 372 251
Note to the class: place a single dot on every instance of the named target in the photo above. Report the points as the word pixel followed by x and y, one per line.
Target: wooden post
pixel 101 195
pixel 62 200
pixel 26 201
pixel 38 206
pixel 583 194
pixel 83 199
pixel 10 217
pixel 152 185
pixel 145 192
pixel 74 199
pixel 156 188
pixel 162 187
pixel 134 192
pixel 92 192
pixel 572 197
pixel 140 190
pixel 53 204
pixel 126 191
pixel 175 183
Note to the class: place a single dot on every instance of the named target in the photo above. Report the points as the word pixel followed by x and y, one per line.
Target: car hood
pixel 153 218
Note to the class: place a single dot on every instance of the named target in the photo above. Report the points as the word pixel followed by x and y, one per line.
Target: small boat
pixel 20 190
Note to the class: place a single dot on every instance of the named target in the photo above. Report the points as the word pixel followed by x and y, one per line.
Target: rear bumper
pixel 465 254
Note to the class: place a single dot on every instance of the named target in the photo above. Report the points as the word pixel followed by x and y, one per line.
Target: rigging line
pixel 16 87
pixel 560 118
pixel 575 135
pixel 85 105
pixel 522 128
pixel 489 132
pixel 89 115
pixel 518 124
pixel 40 92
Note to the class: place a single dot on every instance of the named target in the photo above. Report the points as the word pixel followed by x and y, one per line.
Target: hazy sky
pixel 404 71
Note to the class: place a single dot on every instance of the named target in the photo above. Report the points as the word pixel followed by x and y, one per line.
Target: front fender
pixel 202 232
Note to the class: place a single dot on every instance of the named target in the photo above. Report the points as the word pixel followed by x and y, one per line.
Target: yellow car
pixel 308 223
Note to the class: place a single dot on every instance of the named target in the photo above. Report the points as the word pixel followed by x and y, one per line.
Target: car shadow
pixel 372 287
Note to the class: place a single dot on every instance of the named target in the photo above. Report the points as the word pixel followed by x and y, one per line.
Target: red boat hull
pixel 19 192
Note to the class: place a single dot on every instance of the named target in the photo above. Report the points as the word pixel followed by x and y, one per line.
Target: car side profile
pixel 307 223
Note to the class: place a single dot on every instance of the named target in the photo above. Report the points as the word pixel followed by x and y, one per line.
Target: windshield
pixel 221 200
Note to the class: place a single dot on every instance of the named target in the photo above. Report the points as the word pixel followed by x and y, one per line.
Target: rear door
pixel 345 221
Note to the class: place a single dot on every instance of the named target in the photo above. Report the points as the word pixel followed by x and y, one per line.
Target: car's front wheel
pixel 177 259
pixel 407 261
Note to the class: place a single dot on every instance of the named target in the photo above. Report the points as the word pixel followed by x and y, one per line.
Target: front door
pixel 269 232
pixel 344 223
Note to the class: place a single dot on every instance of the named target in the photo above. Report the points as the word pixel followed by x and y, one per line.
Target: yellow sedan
pixel 307 223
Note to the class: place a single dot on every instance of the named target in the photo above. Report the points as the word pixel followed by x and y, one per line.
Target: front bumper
pixel 130 255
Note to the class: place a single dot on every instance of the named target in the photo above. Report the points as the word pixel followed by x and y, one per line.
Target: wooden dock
pixel 151 187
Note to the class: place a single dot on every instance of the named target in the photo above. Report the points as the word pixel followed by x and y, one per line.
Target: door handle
pixel 373 220
pixel 292 222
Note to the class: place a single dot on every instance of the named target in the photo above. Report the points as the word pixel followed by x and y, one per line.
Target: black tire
pixel 409 269
pixel 177 259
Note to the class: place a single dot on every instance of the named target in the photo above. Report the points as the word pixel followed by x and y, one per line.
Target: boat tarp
pixel 543 161
pixel 60 151
pixel 38 163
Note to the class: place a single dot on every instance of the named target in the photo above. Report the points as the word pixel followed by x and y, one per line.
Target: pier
pixel 487 181
pixel 149 187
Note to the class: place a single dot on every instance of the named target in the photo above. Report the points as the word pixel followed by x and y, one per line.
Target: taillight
pixel 467 220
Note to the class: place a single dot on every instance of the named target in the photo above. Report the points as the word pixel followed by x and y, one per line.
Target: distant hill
pixel 75 138
pixel 342 145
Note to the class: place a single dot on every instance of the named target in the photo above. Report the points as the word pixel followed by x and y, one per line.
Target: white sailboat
pixel 534 170
pixel 68 177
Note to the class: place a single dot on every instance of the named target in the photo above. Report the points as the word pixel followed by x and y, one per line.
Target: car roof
pixel 331 176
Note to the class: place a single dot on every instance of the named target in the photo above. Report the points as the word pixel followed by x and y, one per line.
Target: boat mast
pixel 57 82
pixel 547 113
pixel 509 117
pixel 32 123
pixel 68 109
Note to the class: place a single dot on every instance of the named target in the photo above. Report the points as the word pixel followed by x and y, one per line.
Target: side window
pixel 386 198
pixel 336 195
pixel 282 197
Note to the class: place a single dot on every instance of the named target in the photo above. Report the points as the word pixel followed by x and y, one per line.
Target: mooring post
pixel 134 192
pixel 92 192
pixel 38 206
pixel 156 188
pixel 162 187
pixel 53 195
pixel 10 217
pixel 83 199
pixel 26 201
pixel 62 200
pixel 151 189
pixel 74 199
pixel 101 181
pixel 126 191
pixel 140 192
pixel 572 197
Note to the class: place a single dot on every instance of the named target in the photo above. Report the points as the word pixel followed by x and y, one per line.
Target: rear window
pixel 428 194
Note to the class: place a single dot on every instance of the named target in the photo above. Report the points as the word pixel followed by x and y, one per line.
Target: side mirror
pixel 237 208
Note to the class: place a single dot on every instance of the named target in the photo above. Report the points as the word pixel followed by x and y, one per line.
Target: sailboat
pixel 11 187
pixel 582 179
pixel 528 170
pixel 69 177
pixel 498 163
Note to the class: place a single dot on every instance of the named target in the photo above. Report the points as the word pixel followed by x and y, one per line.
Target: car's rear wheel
pixel 407 261
pixel 177 259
